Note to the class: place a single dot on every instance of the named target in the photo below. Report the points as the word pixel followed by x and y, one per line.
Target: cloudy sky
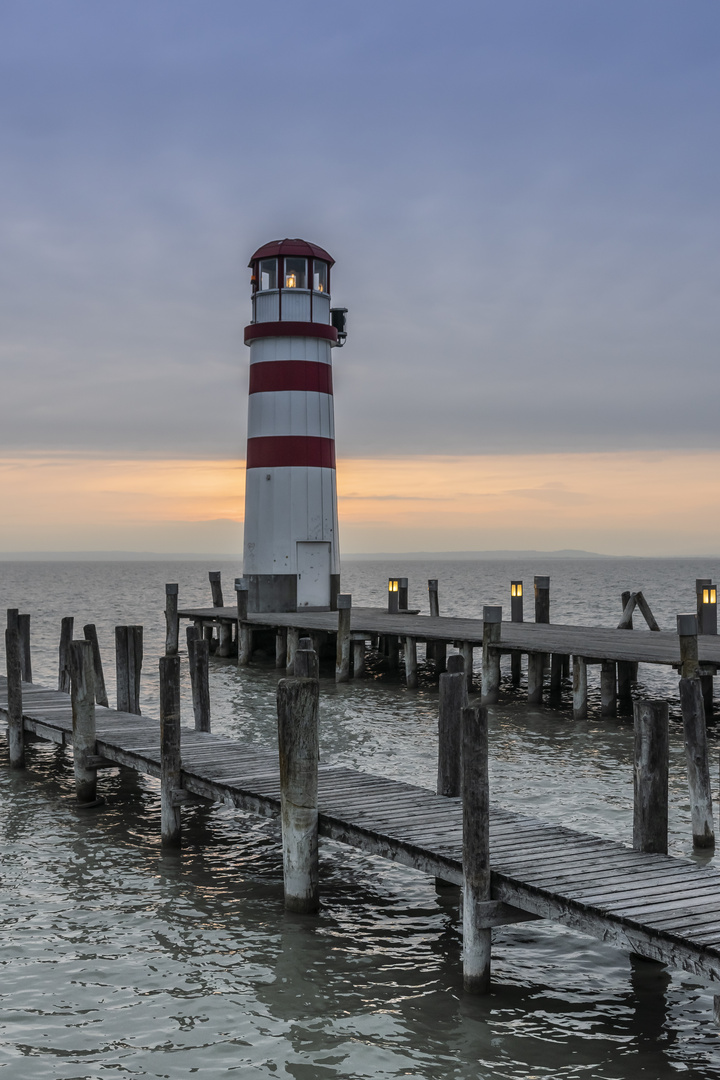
pixel 522 199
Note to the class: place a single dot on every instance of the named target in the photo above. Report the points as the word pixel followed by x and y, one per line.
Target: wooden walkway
pixel 664 908
pixel 595 643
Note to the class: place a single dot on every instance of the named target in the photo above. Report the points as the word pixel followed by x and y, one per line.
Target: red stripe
pixel 273 451
pixel 290 375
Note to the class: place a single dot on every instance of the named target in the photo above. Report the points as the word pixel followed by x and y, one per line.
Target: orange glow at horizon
pixel 635 503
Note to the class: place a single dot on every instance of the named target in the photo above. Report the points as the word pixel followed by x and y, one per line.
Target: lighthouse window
pixel 296 273
pixel 268 274
pixel 319 276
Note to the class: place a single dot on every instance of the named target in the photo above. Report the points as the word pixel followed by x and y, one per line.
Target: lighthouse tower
pixel 291 555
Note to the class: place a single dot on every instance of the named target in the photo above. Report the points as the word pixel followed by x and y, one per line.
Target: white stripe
pixel 264 350
pixel 291 412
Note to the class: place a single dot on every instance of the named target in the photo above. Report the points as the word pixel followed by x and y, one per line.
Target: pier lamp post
pixel 706 606
pixel 516 615
pixel 393 596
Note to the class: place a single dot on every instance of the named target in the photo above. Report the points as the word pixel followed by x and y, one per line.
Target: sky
pixel 522 200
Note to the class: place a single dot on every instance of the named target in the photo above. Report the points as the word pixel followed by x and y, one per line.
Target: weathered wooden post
pixel 433 598
pixel 580 691
pixel 298 745
pixel 452 699
pixel 557 663
pixel 23 624
pixel 170 757
pixel 224 647
pixel 90 634
pixel 492 628
pixel 128 666
pixel 16 734
pixel 307 662
pixel 608 689
pixel 342 657
pixel 411 672
pixel 626 670
pixel 66 633
pixel 172 622
pixel 542 605
pixel 687 629
pixel 698 766
pixel 83 721
pixel 293 640
pixel 13 617
pixel 215 579
pixel 435 651
pixel 516 615
pixel 535 677
pixel 358 657
pixel 466 651
pixel 199 658
pixel 281 647
pixel 477 937
pixel 650 777
pixel 244 631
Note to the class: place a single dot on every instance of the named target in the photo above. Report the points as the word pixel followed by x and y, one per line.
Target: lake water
pixel 117 960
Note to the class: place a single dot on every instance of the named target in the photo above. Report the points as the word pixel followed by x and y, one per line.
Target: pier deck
pixel 598 643
pixel 661 907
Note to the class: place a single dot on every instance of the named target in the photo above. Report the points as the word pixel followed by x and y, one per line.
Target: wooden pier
pixel 663 908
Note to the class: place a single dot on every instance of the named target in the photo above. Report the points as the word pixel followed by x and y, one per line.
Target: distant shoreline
pixel 380 556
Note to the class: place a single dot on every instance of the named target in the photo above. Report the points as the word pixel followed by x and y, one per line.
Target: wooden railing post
pixel 342 659
pixel 650 777
pixel 492 628
pixel 90 634
pixel 477 937
pixel 170 759
pixel 16 733
pixel 25 653
pixel 66 633
pixel 452 699
pixel 128 666
pixel 83 721
pixel 172 622
pixel 297 705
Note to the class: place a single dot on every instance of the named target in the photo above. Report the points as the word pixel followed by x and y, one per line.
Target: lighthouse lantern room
pixel 291 555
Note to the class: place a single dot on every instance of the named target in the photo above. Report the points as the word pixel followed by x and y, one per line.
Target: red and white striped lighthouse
pixel 291 554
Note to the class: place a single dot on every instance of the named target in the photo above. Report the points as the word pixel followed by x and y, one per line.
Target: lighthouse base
pixel 279 592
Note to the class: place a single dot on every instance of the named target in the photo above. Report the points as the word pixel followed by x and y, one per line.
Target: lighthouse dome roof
pixel 299 248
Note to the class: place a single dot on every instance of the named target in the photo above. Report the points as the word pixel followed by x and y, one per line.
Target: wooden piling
pixel 83 722
pixel 66 633
pixel 244 630
pixel 16 733
pixel 306 664
pixel 492 620
pixel 13 617
pixel 215 579
pixel 224 631
pixel 626 669
pixel 297 705
pixel 698 765
pixel 293 638
pixel 128 666
pixel 358 658
pixel 170 756
pixel 608 689
pixel 452 699
pixel 687 628
pixel 535 677
pixel 556 674
pixel 434 598
pixel 280 647
pixel 411 671
pixel 200 680
pixel 172 622
pixel 23 624
pixel 477 937
pixel 90 634
pixel 342 657
pixel 580 691
pixel 466 651
pixel 650 777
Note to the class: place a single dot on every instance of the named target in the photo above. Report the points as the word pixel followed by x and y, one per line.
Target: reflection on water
pixel 118 959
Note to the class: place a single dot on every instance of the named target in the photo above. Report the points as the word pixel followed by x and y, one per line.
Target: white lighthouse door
pixel 313 574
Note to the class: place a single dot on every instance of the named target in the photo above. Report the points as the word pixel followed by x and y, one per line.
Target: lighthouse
pixel 291 557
